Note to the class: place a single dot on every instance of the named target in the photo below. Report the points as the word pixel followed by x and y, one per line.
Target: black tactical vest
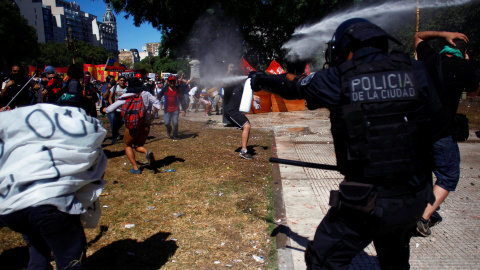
pixel 381 129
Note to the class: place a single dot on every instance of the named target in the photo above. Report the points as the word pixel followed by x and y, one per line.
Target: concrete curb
pixel 285 261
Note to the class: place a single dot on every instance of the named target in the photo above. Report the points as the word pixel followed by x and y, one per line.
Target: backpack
pixel 133 111
pixel 461 130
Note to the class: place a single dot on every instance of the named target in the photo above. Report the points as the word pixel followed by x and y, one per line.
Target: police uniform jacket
pixel 324 89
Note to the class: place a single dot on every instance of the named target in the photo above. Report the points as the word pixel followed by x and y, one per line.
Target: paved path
pixel 302 194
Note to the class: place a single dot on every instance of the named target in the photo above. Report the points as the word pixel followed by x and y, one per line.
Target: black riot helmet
pixel 353 34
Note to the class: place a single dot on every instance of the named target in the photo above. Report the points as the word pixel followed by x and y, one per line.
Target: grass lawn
pixel 214 211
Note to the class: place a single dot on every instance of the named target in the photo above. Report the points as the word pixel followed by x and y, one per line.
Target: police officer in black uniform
pixel 380 105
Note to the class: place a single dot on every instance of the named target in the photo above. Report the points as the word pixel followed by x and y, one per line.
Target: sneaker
pixel 175 139
pixel 150 158
pixel 207 114
pixel 136 171
pixel 114 141
pixel 244 154
pixel 423 228
pixel 434 219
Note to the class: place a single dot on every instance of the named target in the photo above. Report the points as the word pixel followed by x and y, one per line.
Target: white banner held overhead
pixel 48 151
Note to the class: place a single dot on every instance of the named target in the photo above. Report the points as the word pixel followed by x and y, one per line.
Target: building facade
pixel 143 55
pixel 53 18
pixel 152 48
pixel 106 31
pixel 129 57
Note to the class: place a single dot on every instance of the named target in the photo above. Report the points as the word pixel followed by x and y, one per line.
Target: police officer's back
pixel 380 108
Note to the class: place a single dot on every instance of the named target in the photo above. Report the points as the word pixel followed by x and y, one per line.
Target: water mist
pixel 307 40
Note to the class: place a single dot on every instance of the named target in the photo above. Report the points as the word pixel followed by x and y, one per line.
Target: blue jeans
pixel 212 100
pixel 447 163
pixel 171 117
pixel 116 122
pixel 46 229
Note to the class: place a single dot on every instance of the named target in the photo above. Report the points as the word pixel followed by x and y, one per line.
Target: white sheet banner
pixel 48 151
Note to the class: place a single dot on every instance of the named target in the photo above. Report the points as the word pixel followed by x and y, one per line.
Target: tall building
pixel 143 55
pixel 129 57
pixel 53 18
pixel 106 32
pixel 152 48
pixel 39 17
pixel 68 15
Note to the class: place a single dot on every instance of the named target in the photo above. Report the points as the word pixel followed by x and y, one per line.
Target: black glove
pixel 255 76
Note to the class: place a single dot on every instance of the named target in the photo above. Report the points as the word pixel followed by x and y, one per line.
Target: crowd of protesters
pixel 176 96
pixel 48 86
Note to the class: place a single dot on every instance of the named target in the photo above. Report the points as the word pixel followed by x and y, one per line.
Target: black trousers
pixel 344 233
pixel 46 229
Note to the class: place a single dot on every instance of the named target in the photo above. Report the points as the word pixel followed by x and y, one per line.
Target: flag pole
pixel 18 93
pixel 106 64
pixel 417 23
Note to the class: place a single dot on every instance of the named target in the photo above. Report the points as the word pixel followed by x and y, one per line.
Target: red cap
pixel 171 78
pixel 138 75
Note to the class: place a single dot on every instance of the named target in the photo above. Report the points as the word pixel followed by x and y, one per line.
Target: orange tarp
pixel 265 102
pixel 278 103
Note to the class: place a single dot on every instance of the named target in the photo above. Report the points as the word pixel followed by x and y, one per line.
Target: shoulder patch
pixel 307 79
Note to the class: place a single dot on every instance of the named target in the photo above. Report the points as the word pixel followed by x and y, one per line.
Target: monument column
pixel 194 69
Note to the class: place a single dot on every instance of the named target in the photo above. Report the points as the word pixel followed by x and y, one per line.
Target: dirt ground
pixel 471 107
pixel 214 211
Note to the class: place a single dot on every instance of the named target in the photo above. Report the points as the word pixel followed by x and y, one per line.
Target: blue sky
pixel 129 36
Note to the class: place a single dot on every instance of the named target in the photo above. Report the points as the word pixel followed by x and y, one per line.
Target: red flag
pixel 275 68
pixel 62 70
pixel 245 66
pixel 307 70
pixel 31 70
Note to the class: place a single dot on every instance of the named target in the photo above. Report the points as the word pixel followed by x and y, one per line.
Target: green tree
pixel 128 64
pixel 256 29
pixel 171 66
pixel 88 53
pixel 146 63
pixel 56 54
pixel 18 39
pixel 462 19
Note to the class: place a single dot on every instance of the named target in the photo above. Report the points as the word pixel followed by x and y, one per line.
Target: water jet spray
pixel 306 41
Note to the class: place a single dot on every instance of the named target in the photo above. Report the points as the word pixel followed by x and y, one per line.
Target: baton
pixel 304 164
pixel 18 93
